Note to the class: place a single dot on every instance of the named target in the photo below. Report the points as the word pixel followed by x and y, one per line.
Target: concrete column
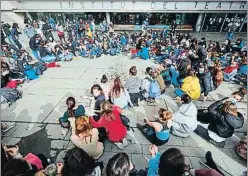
pixel 29 16
pixel 199 22
pixel 108 17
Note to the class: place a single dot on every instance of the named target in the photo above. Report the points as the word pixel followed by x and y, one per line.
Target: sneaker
pixel 124 141
pixel 7 126
pixel 218 144
pixel 204 98
pixel 119 145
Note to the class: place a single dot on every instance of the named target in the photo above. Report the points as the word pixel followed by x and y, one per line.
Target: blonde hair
pixel 164 114
pixel 230 108
pixel 83 126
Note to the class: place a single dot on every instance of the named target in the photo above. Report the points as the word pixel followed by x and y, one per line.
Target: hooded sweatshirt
pixel 191 86
pixel 184 121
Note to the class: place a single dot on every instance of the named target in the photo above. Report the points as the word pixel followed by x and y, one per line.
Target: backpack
pixel 154 89
pixel 11 95
pixel 166 76
pixel 112 51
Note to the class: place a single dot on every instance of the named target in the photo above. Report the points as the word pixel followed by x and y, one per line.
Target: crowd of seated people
pixel 193 68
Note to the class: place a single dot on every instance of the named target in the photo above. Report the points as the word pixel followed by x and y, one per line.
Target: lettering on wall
pixel 153 5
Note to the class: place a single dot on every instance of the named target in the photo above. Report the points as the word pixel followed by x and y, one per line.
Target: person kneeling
pixel 158 132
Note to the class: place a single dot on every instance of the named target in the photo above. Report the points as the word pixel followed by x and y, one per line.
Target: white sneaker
pixel 204 98
pixel 124 141
pixel 119 145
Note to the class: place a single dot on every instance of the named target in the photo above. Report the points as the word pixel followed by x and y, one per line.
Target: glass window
pixel 213 22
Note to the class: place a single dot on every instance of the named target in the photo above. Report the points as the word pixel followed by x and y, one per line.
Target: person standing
pixel 29 30
pixel 34 45
pixel 14 35
pixel 51 22
pixel 92 27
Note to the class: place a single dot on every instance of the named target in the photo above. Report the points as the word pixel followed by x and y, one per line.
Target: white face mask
pixel 201 70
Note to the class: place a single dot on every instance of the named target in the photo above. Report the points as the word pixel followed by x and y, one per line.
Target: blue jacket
pixel 123 40
pixel 29 31
pixel 164 33
pixel 153 165
pixel 144 53
pixel 51 20
pixel 243 69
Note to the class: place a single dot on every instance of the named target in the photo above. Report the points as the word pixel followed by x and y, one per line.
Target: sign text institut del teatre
pixel 152 6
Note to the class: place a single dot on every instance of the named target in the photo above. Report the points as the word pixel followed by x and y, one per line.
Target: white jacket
pixel 184 121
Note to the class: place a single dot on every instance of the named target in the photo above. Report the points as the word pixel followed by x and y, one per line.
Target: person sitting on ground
pixel 143 53
pixel 172 163
pixel 106 87
pixel 44 53
pixel 121 165
pixel 150 86
pixel 110 119
pixel 96 101
pixel 164 71
pixel 86 137
pixel 133 85
pixel 15 164
pixel 160 81
pixel 184 121
pixel 238 45
pixel 145 84
pixel 190 86
pixel 157 132
pixel 71 112
pixel 119 95
pixel 77 163
pixel 217 74
pixel 223 119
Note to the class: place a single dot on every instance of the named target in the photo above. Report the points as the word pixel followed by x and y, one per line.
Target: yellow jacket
pixel 89 33
pixel 191 86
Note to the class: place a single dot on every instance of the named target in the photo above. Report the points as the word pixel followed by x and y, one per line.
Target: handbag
pixel 125 121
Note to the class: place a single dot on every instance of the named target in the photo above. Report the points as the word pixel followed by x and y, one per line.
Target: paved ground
pixel 44 101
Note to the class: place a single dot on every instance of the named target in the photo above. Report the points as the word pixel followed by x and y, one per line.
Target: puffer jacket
pixel 224 124
pixel 191 86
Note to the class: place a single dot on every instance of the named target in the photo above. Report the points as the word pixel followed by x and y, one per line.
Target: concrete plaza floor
pixel 44 101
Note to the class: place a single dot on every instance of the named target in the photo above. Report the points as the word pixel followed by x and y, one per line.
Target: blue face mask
pixel 233 100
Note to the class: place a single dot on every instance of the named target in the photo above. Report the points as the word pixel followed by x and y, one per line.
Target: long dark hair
pixel 116 91
pixel 70 102
pixel 118 165
pixel 77 162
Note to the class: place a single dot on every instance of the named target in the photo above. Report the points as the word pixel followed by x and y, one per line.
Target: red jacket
pixel 116 131
pixel 229 69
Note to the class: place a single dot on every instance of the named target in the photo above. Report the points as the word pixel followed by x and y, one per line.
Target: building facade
pixel 205 16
